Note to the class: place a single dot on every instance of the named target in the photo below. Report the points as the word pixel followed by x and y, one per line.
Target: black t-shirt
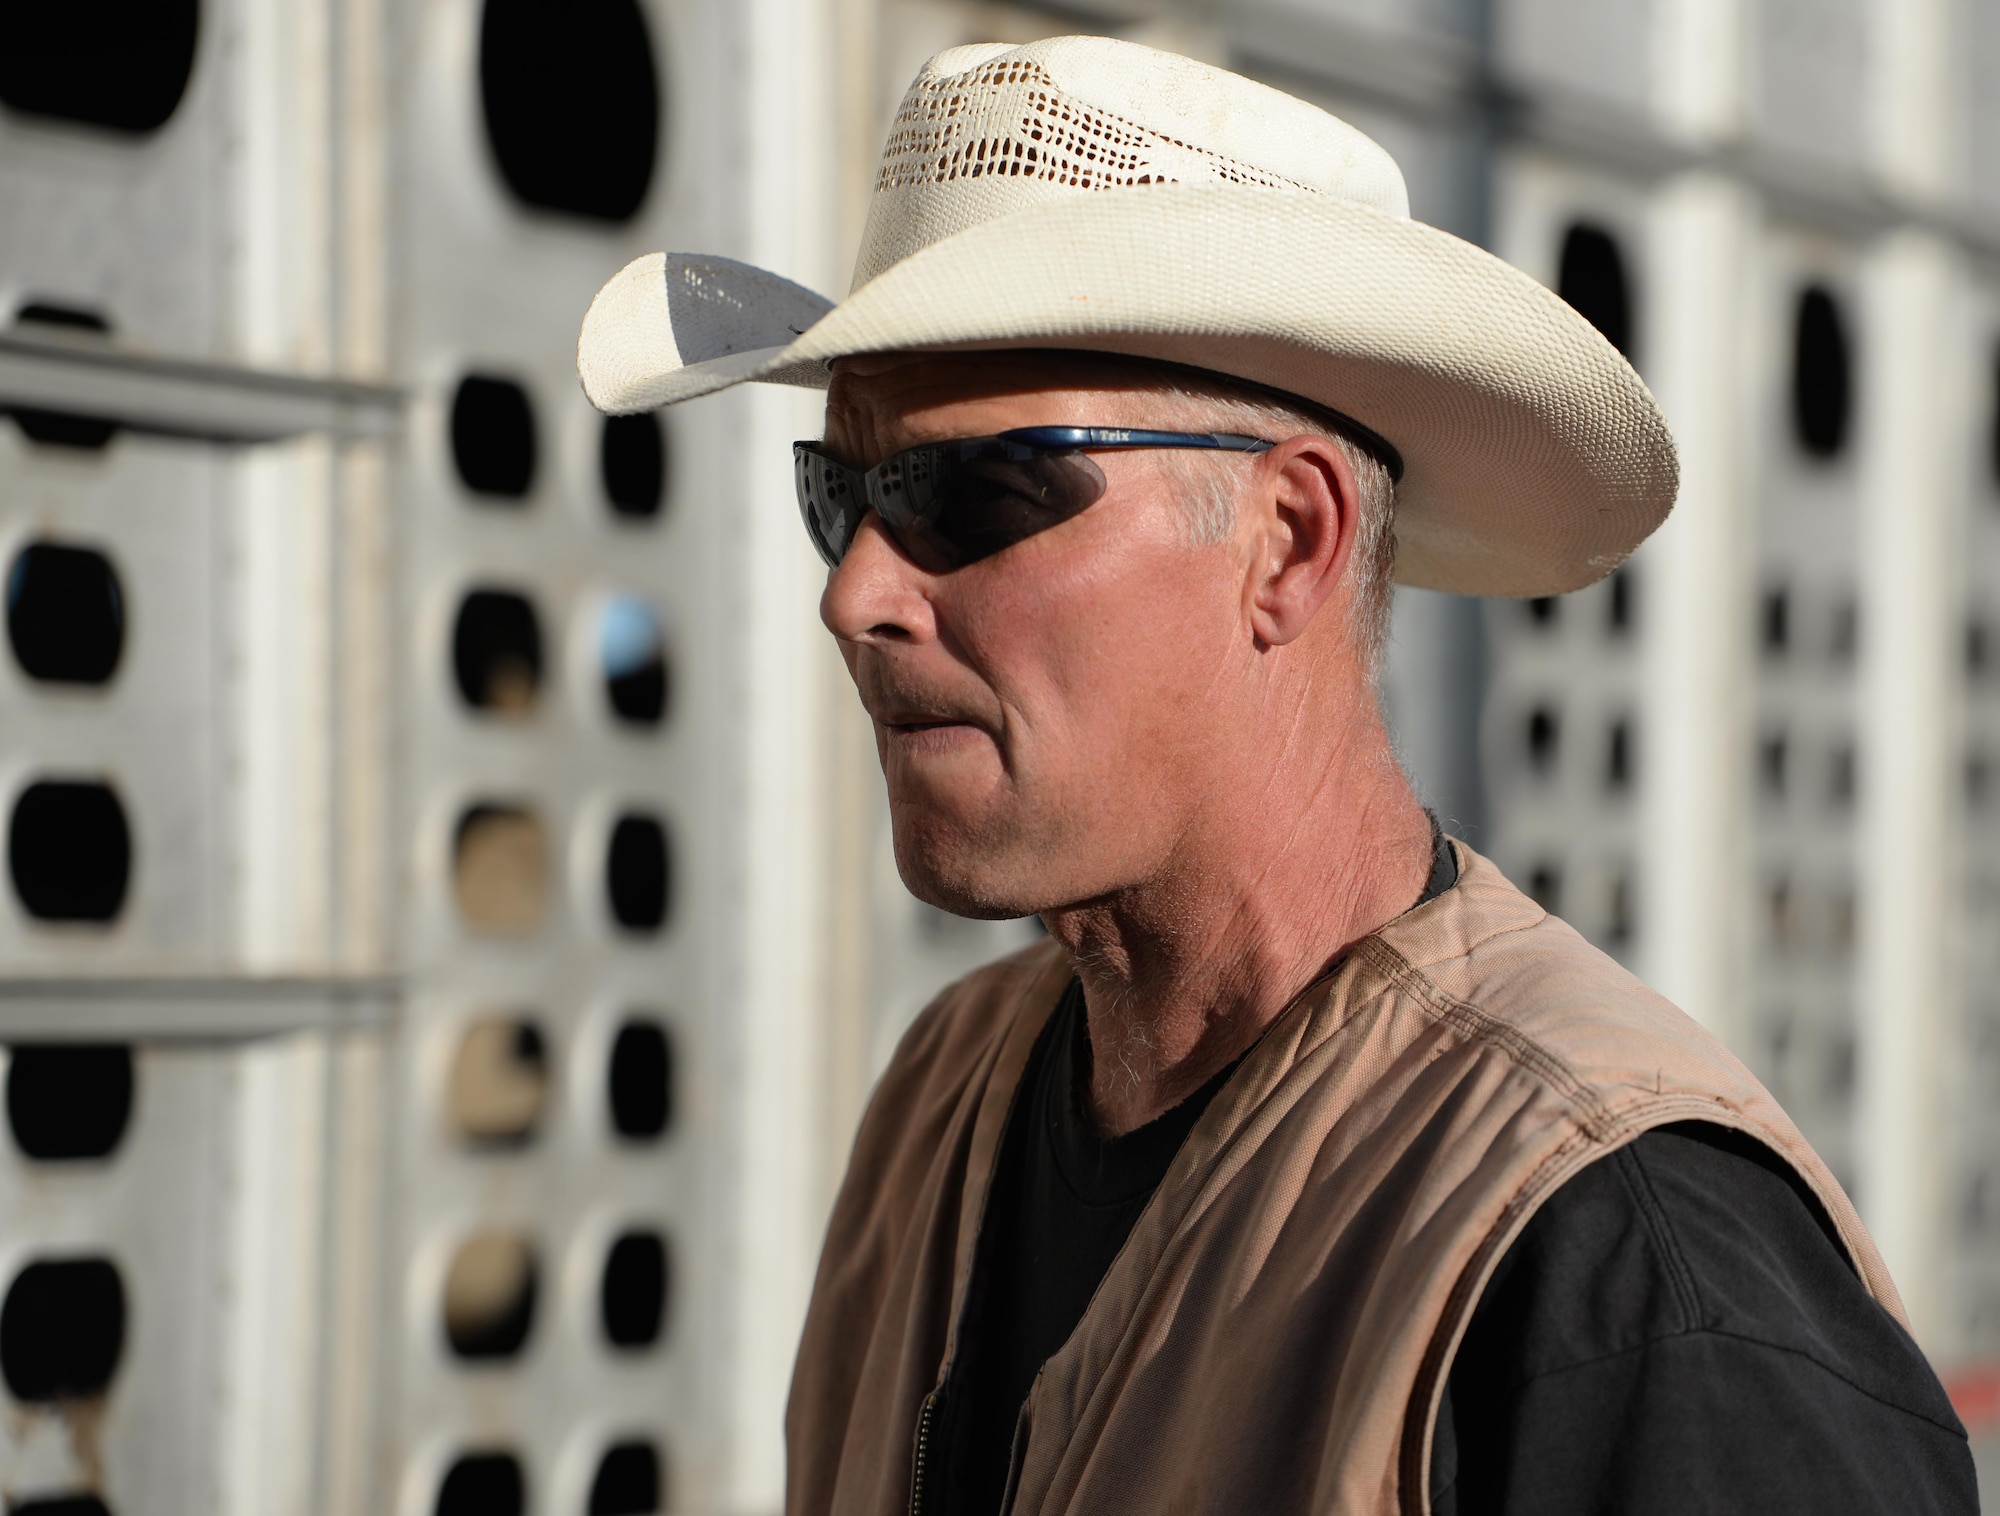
pixel 1674 1331
pixel 1063 1202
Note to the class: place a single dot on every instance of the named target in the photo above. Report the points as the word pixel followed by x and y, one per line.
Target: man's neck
pixel 1183 973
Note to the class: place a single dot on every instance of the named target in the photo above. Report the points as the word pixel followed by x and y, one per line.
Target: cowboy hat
pixel 1087 193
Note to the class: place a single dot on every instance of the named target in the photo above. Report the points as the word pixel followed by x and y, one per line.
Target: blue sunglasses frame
pixel 947 504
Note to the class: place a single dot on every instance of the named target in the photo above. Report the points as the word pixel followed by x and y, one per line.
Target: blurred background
pixel 450 927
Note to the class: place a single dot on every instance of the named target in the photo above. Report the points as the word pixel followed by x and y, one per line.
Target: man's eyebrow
pixel 899 436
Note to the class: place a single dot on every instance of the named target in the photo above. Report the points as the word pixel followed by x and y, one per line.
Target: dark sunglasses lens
pixel 829 501
pixel 956 503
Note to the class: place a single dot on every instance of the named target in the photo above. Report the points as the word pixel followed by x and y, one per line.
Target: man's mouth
pixel 920 732
pixel 903 718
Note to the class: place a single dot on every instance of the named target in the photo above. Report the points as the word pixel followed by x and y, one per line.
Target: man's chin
pixel 965 879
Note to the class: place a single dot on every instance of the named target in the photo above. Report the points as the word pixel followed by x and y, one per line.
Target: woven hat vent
pixel 1033 124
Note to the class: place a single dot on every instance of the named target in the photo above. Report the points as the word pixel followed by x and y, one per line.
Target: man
pixel 1307 1166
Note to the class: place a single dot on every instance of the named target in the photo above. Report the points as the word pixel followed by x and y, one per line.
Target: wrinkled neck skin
pixel 1267 888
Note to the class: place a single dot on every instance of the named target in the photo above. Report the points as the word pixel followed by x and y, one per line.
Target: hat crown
pixel 990 129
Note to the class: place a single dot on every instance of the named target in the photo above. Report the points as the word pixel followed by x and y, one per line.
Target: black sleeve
pixel 1677 1331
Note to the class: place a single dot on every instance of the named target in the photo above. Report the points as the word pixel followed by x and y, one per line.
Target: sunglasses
pixel 947 504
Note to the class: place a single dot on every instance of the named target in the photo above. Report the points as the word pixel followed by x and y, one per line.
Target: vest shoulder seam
pixel 1593 1114
pixel 1660 1227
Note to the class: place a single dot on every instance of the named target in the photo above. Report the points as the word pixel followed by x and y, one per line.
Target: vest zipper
pixel 922 1453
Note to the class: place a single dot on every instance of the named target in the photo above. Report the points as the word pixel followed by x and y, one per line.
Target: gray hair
pixel 1211 490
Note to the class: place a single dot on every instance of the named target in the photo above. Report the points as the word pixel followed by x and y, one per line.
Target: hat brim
pixel 1535 458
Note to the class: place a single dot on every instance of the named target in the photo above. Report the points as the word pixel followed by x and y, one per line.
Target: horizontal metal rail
pixel 191 1009
pixel 176 397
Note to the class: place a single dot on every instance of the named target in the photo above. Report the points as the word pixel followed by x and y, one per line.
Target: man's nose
pixel 876 594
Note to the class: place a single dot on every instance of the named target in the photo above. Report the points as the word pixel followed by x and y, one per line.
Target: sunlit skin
pixel 1170 751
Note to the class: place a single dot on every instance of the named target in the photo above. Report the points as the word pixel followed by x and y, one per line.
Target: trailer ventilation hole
pixel 489 1296
pixel 1544 735
pixel 1773 763
pixel 483 1484
pixel 62 1329
pixel 641 1080
pixel 67 318
pixel 1623 613
pixel 633 648
pixel 87 434
pixel 572 104
pixel 1618 914
pixel 638 874
pixel 1822 374
pixel 499 1081
pixel 60 1505
pixel 627 1481
pixel 1592 279
pixel 1993 421
pixel 69 851
pixel 65 614
pixel 1618 757
pixel 119 64
pixel 1545 887
pixel 500 869
pixel 1775 622
pixel 493 437
pixel 633 459
pixel 634 1293
pixel 61 428
pixel 496 651
pixel 69 1100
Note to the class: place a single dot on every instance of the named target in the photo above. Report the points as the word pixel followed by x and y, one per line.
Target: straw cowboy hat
pixel 1088 193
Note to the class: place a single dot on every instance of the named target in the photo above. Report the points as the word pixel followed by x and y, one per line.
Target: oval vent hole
pixel 638 873
pixel 68 323
pixel 1591 278
pixel 1545 887
pixel 62 1329
pixel 118 64
pixel 642 1080
pixel 496 651
pixel 632 458
pixel 493 437
pixel 572 104
pixel 1622 614
pixel 499 1081
pixel 1822 374
pixel 483 1484
pixel 1544 734
pixel 65 614
pixel 634 1294
pixel 489 1296
pixel 69 1100
pixel 627 1482
pixel 60 1505
pixel 500 869
pixel 69 851
pixel 633 648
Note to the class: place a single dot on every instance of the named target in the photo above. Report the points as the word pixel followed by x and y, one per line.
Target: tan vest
pixel 1275 1334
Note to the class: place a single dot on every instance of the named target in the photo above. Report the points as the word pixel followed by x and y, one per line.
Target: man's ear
pixel 1305 510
